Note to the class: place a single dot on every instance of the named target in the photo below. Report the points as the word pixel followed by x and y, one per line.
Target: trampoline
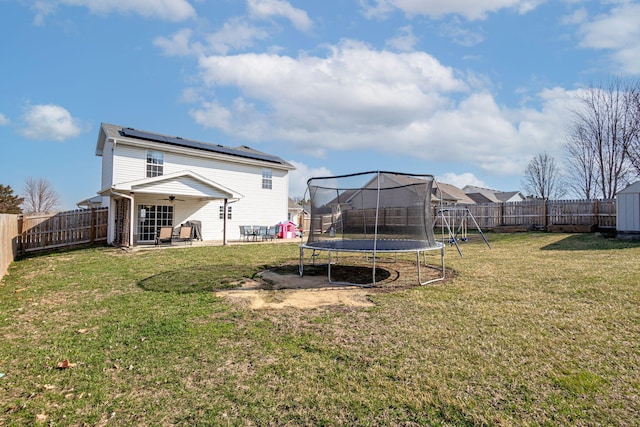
pixel 372 213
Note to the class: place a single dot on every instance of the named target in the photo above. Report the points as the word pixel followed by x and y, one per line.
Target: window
pixel 221 212
pixel 155 160
pixel 267 176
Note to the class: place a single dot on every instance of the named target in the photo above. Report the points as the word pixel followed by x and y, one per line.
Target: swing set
pixel 456 221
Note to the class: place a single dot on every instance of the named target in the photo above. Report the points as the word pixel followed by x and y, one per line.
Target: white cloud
pixel 299 177
pixel 42 9
pixel 470 9
pixel 405 41
pixel 619 32
pixel 234 35
pixel 460 180
pixel 459 34
pixel 179 44
pixel 266 9
pixel 4 120
pixel 357 98
pixel 49 122
pixel 169 10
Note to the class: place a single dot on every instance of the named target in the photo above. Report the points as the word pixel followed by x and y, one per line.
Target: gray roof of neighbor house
pixel 487 195
pixel 293 205
pixel 480 198
pixel 504 196
pixel 242 152
pixel 451 193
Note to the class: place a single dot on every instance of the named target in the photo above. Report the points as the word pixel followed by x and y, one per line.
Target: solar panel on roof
pixel 134 133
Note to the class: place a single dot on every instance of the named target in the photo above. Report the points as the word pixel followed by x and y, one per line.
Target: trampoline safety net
pixel 371 212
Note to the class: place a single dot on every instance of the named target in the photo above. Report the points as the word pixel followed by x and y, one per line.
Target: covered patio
pixel 140 208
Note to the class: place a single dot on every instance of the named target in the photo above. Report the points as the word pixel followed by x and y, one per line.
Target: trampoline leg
pixel 301 265
pixel 442 268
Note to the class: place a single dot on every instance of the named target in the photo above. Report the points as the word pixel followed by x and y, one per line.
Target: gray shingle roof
pixel 120 132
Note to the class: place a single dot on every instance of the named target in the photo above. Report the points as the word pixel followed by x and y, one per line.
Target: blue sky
pixel 467 90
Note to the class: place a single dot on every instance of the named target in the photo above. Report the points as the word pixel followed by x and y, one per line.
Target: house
pixel 360 196
pixel 486 195
pixel 297 214
pixel 150 180
pixel 357 199
pixel 451 195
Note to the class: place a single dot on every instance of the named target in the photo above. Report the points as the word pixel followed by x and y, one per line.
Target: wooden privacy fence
pixel 8 241
pixel 51 231
pixel 542 214
pixel 529 215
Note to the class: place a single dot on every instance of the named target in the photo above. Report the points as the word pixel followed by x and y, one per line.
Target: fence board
pixel 533 214
pixel 50 231
pixel 8 241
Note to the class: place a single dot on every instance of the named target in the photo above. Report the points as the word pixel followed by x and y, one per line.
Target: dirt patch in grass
pixel 283 287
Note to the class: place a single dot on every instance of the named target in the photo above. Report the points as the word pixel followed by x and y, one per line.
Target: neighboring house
pixel 151 180
pixel 450 195
pixel 486 195
pixel 402 196
pixel 362 199
pixel 297 213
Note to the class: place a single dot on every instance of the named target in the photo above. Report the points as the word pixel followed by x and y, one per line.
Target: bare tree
pixel 39 196
pixel 581 165
pixel 633 103
pixel 601 136
pixel 543 178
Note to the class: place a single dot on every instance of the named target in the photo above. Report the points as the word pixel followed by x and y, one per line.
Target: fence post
pixel 92 229
pixel 21 234
pixel 545 216
pixel 501 214
pixel 596 218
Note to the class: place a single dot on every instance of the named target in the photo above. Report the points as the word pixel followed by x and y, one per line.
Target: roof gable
pixel 185 183
pixel 452 193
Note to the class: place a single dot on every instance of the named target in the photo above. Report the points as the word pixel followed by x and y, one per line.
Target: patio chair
pixel 271 232
pixel 186 234
pixel 263 233
pixel 165 235
pixel 245 232
pixel 255 232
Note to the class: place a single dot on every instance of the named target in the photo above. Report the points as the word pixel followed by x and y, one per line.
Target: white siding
pixel 129 163
pixel 107 166
pixel 258 206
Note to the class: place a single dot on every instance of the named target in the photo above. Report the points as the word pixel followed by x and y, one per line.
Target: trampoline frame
pixel 373 247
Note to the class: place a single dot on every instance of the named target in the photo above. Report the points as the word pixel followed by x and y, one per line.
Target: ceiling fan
pixel 172 198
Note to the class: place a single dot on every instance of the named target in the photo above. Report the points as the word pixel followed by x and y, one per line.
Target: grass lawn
pixel 542 329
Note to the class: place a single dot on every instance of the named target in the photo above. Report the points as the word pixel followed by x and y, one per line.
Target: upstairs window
pixel 155 160
pixel 267 179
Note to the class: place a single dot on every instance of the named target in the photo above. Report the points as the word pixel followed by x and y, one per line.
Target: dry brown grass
pixel 540 330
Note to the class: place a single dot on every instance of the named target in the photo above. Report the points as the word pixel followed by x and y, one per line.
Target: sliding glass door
pixel 151 218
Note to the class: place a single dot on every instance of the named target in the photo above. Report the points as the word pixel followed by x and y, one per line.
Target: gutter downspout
pixel 224 223
pixel 130 213
pixel 224 220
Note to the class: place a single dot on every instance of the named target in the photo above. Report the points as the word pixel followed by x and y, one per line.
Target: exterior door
pixel 151 218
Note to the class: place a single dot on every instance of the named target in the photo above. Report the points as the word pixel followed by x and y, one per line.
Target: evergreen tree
pixel 9 203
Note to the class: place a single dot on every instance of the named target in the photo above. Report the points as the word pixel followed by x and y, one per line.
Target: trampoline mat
pixel 369 245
